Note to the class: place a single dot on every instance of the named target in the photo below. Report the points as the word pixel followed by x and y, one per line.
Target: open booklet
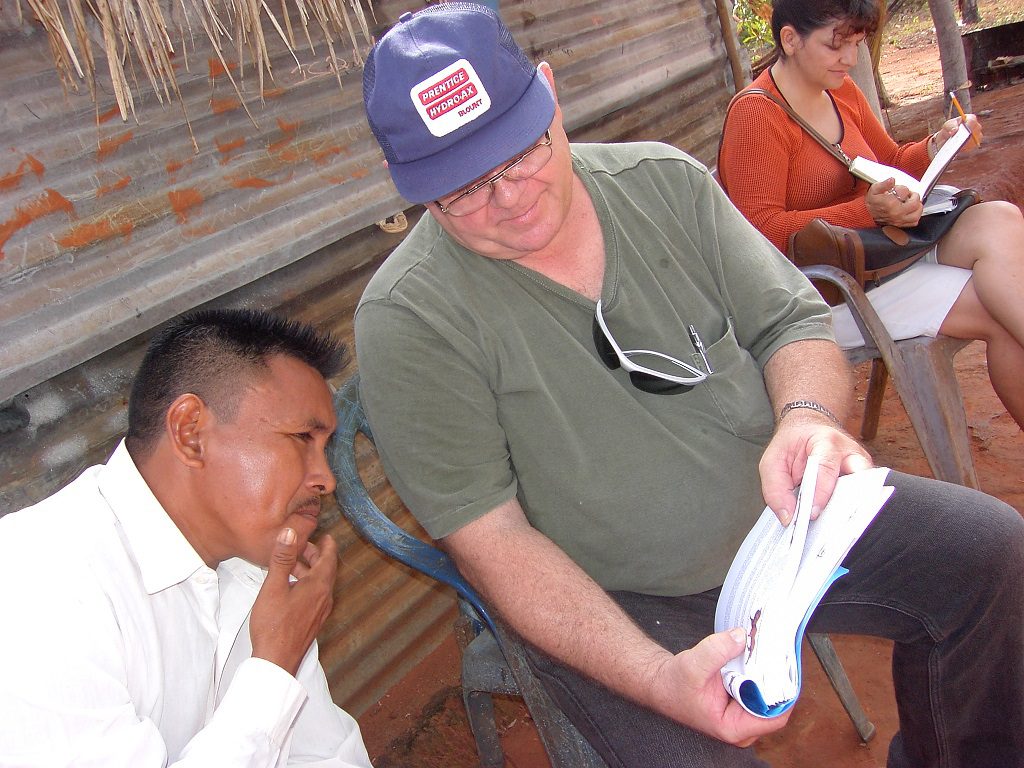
pixel 778 578
pixel 874 172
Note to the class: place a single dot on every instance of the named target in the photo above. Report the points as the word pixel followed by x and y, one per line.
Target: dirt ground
pixel 421 722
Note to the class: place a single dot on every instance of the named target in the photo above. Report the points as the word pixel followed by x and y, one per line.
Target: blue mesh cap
pixel 449 96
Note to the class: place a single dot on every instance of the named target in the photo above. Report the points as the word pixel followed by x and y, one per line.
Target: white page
pixel 763 596
pixel 755 596
pixel 942 159
pixel 940 200
pixel 847 515
pixel 873 172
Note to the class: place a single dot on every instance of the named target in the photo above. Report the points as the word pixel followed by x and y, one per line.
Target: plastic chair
pixel 922 370
pixel 493 659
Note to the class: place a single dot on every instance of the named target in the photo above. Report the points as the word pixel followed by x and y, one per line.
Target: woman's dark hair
pixel 214 354
pixel 805 16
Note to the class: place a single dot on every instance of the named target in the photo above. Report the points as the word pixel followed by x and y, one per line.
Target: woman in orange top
pixel 971 286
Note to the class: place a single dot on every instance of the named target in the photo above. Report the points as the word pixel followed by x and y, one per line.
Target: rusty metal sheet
pixel 109 228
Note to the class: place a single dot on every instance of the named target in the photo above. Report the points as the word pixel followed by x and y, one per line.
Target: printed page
pixel 774 607
pixel 756 590
pixel 873 172
pixel 940 200
pixel 854 504
pixel 943 158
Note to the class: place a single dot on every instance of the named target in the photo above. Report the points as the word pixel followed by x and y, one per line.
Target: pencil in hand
pixel 956 103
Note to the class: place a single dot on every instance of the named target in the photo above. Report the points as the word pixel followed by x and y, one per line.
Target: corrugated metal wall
pixel 108 229
pixel 111 228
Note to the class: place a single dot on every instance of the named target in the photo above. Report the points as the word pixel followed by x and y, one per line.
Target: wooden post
pixel 739 79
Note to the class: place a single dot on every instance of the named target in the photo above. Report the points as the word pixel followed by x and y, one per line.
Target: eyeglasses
pixel 523 166
pixel 644 378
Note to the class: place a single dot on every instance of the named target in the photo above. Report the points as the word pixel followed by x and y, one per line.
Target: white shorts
pixel 914 303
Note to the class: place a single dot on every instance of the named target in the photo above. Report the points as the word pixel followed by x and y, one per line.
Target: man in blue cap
pixel 596 494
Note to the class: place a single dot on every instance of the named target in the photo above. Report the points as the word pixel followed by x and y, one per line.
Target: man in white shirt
pixel 140 627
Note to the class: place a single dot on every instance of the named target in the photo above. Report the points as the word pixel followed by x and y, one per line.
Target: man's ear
pixel 185 423
pixel 545 69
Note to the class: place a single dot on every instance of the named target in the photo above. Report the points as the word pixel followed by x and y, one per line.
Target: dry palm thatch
pixel 138 37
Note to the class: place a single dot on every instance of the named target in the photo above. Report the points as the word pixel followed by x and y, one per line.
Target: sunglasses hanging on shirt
pixel 641 376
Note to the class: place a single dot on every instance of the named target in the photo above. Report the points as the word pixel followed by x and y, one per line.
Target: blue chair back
pixel 367 518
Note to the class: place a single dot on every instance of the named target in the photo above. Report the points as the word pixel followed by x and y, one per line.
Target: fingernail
pixel 738 635
pixel 286 537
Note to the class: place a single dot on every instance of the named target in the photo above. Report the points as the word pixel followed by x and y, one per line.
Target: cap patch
pixel 451 98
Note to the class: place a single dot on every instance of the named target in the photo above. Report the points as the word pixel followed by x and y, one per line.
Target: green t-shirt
pixel 481 379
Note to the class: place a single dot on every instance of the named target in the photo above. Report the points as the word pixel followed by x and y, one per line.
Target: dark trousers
pixel 940 572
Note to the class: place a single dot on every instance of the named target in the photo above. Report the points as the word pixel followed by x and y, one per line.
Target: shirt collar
pixel 164 556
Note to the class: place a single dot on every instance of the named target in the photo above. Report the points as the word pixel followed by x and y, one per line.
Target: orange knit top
pixel 780 178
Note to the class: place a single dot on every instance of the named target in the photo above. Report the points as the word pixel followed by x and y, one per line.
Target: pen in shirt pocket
pixel 699 346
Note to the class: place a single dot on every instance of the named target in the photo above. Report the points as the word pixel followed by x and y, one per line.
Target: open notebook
pixel 874 172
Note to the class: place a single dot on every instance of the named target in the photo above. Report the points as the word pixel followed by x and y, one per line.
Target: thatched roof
pixel 142 40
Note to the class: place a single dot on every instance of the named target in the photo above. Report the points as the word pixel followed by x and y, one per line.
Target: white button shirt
pixel 120 647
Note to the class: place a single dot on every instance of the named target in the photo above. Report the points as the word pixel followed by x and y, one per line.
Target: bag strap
pixel 833 149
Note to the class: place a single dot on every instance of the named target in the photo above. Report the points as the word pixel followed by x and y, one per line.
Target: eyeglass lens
pixel 479 194
pixel 645 382
pixel 653 383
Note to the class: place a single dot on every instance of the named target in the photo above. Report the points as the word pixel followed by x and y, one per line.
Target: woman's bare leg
pixel 968 319
pixel 988 239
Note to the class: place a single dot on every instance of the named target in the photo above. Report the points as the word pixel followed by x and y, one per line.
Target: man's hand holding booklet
pixel 777 579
